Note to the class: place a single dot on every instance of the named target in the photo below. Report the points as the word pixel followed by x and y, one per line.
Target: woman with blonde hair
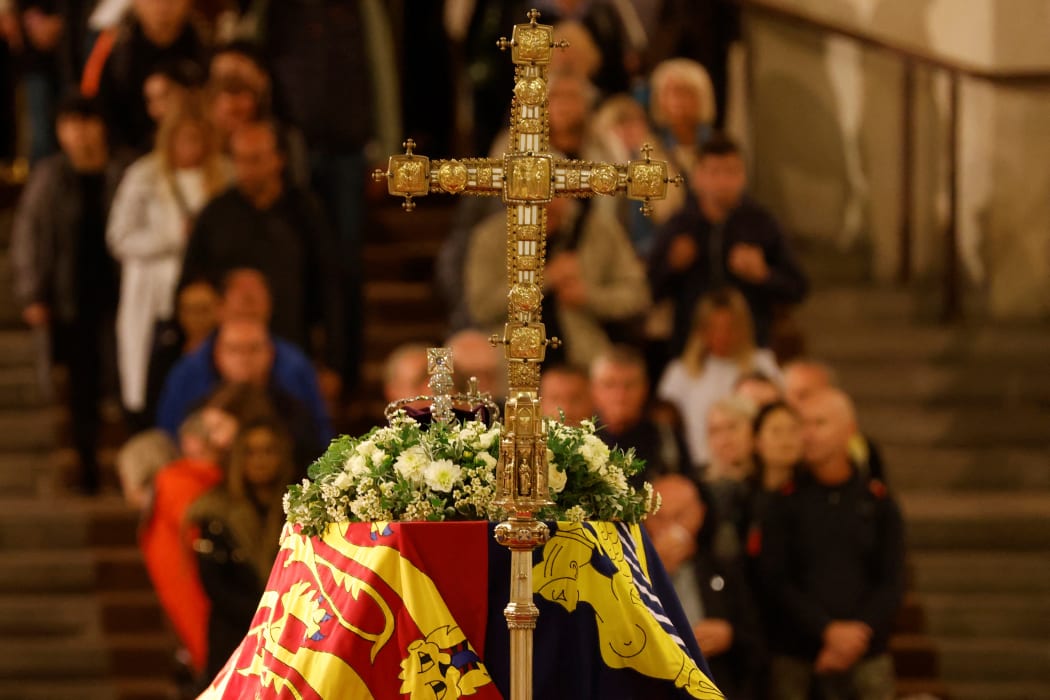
pixel 720 349
pixel 149 223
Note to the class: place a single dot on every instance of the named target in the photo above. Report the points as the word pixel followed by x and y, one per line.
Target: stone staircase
pixel 78 618
pixel 962 414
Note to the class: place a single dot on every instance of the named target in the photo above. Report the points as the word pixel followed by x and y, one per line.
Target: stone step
pixel 20 388
pixel 64 571
pixel 430 220
pixel 1007 386
pixel 108 689
pixel 987 615
pixel 66 522
pixel 916 467
pixel 34 617
pixel 401 261
pixel 863 303
pixel 27 430
pixel 908 424
pixel 1005 521
pixel 972 571
pixel 847 340
pixel 87 657
pixel 1001 690
pixel 390 301
pixel 380 341
pixel 994 659
pixel 27 473
pixel 17 348
pixel 52 615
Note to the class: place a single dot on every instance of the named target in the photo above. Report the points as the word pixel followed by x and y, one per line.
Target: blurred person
pixel 701 30
pixel 246 299
pixel 168 86
pixel 139 460
pixel 723 239
pixel 604 28
pixel 264 223
pixel 474 356
pixel 64 278
pixel 168 559
pixel 566 389
pixel 149 223
pixel 197 308
pixel 594 284
pixel 237 529
pixel 721 349
pixel 620 393
pixel 405 372
pixel 832 564
pixel 39 48
pixel 623 129
pixel 758 388
pixel 240 91
pixel 730 470
pixel 322 54
pixel 802 379
pixel 244 352
pixel 682 107
pixel 777 431
pixel 713 591
pixel 158 32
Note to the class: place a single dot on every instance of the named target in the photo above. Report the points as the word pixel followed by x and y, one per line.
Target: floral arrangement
pixel 447 471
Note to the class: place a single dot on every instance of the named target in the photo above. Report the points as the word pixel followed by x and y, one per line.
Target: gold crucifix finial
pixel 527 177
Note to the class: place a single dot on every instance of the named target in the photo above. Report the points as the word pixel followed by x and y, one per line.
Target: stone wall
pixel 826 128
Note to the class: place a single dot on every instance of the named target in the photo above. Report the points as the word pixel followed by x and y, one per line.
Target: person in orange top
pixel 204 438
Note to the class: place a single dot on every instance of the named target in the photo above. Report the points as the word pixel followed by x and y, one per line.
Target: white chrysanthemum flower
pixel 366 448
pixel 377 457
pixel 556 478
pixel 411 463
pixel 488 460
pixel 576 514
pixel 442 475
pixel 356 465
pixel 488 437
pixel 596 453
pixel 343 481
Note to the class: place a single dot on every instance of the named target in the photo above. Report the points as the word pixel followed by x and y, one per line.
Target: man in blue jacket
pixel 232 355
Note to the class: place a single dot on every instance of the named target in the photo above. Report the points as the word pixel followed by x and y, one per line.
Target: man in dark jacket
pixel 265 224
pixel 723 239
pixel 620 391
pixel 64 276
pixel 832 568
pixel 160 32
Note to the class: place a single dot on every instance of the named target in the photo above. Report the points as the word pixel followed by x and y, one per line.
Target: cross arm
pixel 642 180
pixel 411 175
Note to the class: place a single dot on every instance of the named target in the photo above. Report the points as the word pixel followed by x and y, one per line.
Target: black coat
pixel 133 58
pixel 44 238
pixel 748 223
pixel 831 553
pixel 292 245
pixel 725 595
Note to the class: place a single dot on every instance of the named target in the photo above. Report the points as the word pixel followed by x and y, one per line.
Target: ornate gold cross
pixel 527 177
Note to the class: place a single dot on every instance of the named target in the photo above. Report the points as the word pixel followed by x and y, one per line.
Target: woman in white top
pixel 149 223
pixel 720 350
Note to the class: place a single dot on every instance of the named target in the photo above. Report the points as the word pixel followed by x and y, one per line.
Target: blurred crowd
pixel 190 240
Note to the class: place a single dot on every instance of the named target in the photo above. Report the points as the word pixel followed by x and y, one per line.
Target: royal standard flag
pixel 394 610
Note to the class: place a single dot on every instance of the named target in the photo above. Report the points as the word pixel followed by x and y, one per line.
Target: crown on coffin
pixel 444 404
